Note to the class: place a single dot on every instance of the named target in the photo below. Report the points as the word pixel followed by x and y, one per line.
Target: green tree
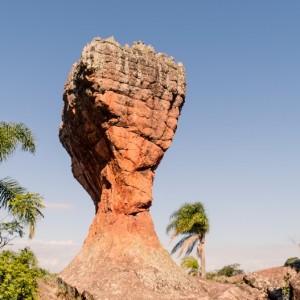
pixel 22 209
pixel 191 221
pixel 230 270
pixel 190 264
pixel 293 262
pixel 18 275
pixel 13 134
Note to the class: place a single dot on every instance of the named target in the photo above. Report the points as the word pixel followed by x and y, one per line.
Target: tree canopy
pixel 18 275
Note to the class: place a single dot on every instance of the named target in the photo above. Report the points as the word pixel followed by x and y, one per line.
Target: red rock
pixel 121 106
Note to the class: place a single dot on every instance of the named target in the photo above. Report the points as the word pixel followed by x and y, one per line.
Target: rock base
pixel 123 259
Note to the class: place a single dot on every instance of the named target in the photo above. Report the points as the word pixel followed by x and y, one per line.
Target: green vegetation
pixel 21 209
pixel 286 290
pixel 293 262
pixel 190 264
pixel 18 275
pixel 191 221
pixel 226 271
pixel 12 134
pixel 230 270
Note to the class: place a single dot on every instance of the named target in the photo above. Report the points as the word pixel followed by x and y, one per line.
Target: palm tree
pixel 190 263
pixel 24 208
pixel 191 221
pixel 12 134
pixel 8 189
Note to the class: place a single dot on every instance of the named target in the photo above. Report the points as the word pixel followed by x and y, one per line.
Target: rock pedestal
pixel 121 106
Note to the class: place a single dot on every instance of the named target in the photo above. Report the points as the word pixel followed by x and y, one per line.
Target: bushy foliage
pixel 230 270
pixel 190 264
pixel 18 274
pixel 211 275
pixel 293 262
pixel 226 271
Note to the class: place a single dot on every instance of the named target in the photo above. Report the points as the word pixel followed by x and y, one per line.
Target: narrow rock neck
pixel 114 230
pixel 125 192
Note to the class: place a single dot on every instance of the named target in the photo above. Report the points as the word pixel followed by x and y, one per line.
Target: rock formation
pixel 120 115
pixel 121 107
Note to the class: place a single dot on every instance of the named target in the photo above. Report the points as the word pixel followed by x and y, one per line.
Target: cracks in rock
pixel 106 116
pixel 145 85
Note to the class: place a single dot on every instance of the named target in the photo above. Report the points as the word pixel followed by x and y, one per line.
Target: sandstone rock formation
pixel 120 116
pixel 121 107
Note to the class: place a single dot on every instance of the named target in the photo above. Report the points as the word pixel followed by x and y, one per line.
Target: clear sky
pixel 237 145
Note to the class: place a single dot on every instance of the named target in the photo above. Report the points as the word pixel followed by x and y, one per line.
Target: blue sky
pixel 237 145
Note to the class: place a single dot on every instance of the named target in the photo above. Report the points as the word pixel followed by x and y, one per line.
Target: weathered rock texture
pixel 120 116
pixel 274 282
pixel 121 107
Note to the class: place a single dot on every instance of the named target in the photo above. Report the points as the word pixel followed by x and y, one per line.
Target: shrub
pixel 293 262
pixel 18 274
pixel 230 270
pixel 226 271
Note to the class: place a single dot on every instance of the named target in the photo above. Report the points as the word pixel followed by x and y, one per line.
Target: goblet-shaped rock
pixel 121 106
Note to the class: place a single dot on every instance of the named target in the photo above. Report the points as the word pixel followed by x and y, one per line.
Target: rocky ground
pixel 279 283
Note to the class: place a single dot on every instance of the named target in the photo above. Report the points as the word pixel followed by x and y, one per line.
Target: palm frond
pixel 191 221
pixel 191 247
pixel 171 226
pixel 189 262
pixel 173 235
pixel 188 219
pixel 180 243
pixel 8 189
pixel 187 244
pixel 11 134
pixel 26 208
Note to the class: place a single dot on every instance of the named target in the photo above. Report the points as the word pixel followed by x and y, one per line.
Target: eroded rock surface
pixel 275 282
pixel 121 107
pixel 120 115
